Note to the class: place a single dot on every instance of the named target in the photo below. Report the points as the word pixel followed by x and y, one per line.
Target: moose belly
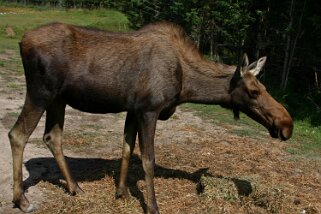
pixel 95 101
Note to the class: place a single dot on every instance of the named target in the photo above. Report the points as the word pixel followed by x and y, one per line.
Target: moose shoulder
pixel 146 73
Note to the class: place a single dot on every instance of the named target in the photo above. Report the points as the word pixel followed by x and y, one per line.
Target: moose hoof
pixel 79 190
pixel 29 209
pixel 76 191
pixel 24 205
pixel 152 211
pixel 122 193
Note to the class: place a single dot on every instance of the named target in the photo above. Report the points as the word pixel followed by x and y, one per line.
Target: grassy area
pixel 22 19
pixel 306 139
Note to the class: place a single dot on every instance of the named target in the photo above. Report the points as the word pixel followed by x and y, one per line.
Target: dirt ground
pixel 201 167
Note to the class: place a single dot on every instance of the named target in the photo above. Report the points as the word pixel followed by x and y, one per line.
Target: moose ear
pixel 245 61
pixel 257 66
pixel 244 64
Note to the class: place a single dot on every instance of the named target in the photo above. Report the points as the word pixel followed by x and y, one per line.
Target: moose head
pixel 249 96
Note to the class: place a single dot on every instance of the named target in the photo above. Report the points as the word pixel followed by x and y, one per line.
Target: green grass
pixel 306 139
pixel 13 86
pixel 22 19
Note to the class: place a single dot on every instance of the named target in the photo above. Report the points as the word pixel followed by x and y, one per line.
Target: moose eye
pixel 254 94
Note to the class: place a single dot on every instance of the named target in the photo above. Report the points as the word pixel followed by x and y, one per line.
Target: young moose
pixel 146 73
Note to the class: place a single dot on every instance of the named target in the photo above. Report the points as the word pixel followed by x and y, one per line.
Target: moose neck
pixel 206 82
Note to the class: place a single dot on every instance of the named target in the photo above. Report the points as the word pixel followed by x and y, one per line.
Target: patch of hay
pixel 213 188
pixel 247 191
pixel 271 198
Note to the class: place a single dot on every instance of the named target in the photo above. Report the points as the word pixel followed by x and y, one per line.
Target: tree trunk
pixel 291 45
pixel 211 48
pixel 287 50
pixel 61 3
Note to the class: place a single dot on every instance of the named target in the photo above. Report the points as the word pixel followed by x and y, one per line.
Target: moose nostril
pixel 286 133
pixel 287 129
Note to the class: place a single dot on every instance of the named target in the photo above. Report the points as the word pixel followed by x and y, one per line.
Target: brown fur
pixel 146 73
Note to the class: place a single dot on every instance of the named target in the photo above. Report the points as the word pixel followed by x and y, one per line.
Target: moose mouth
pixel 282 129
pixel 278 133
pixel 277 129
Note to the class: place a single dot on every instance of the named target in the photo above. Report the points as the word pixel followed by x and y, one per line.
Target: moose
pixel 146 73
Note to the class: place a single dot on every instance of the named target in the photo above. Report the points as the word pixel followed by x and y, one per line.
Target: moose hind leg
pixel 18 136
pixel 130 133
pixel 53 139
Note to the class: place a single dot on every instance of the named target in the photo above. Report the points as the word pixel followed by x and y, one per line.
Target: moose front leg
pixel 130 133
pixel 146 133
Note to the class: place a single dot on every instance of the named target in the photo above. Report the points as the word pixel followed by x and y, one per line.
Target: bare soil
pixel 201 167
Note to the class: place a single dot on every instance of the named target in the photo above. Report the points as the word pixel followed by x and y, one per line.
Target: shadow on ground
pixel 92 169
